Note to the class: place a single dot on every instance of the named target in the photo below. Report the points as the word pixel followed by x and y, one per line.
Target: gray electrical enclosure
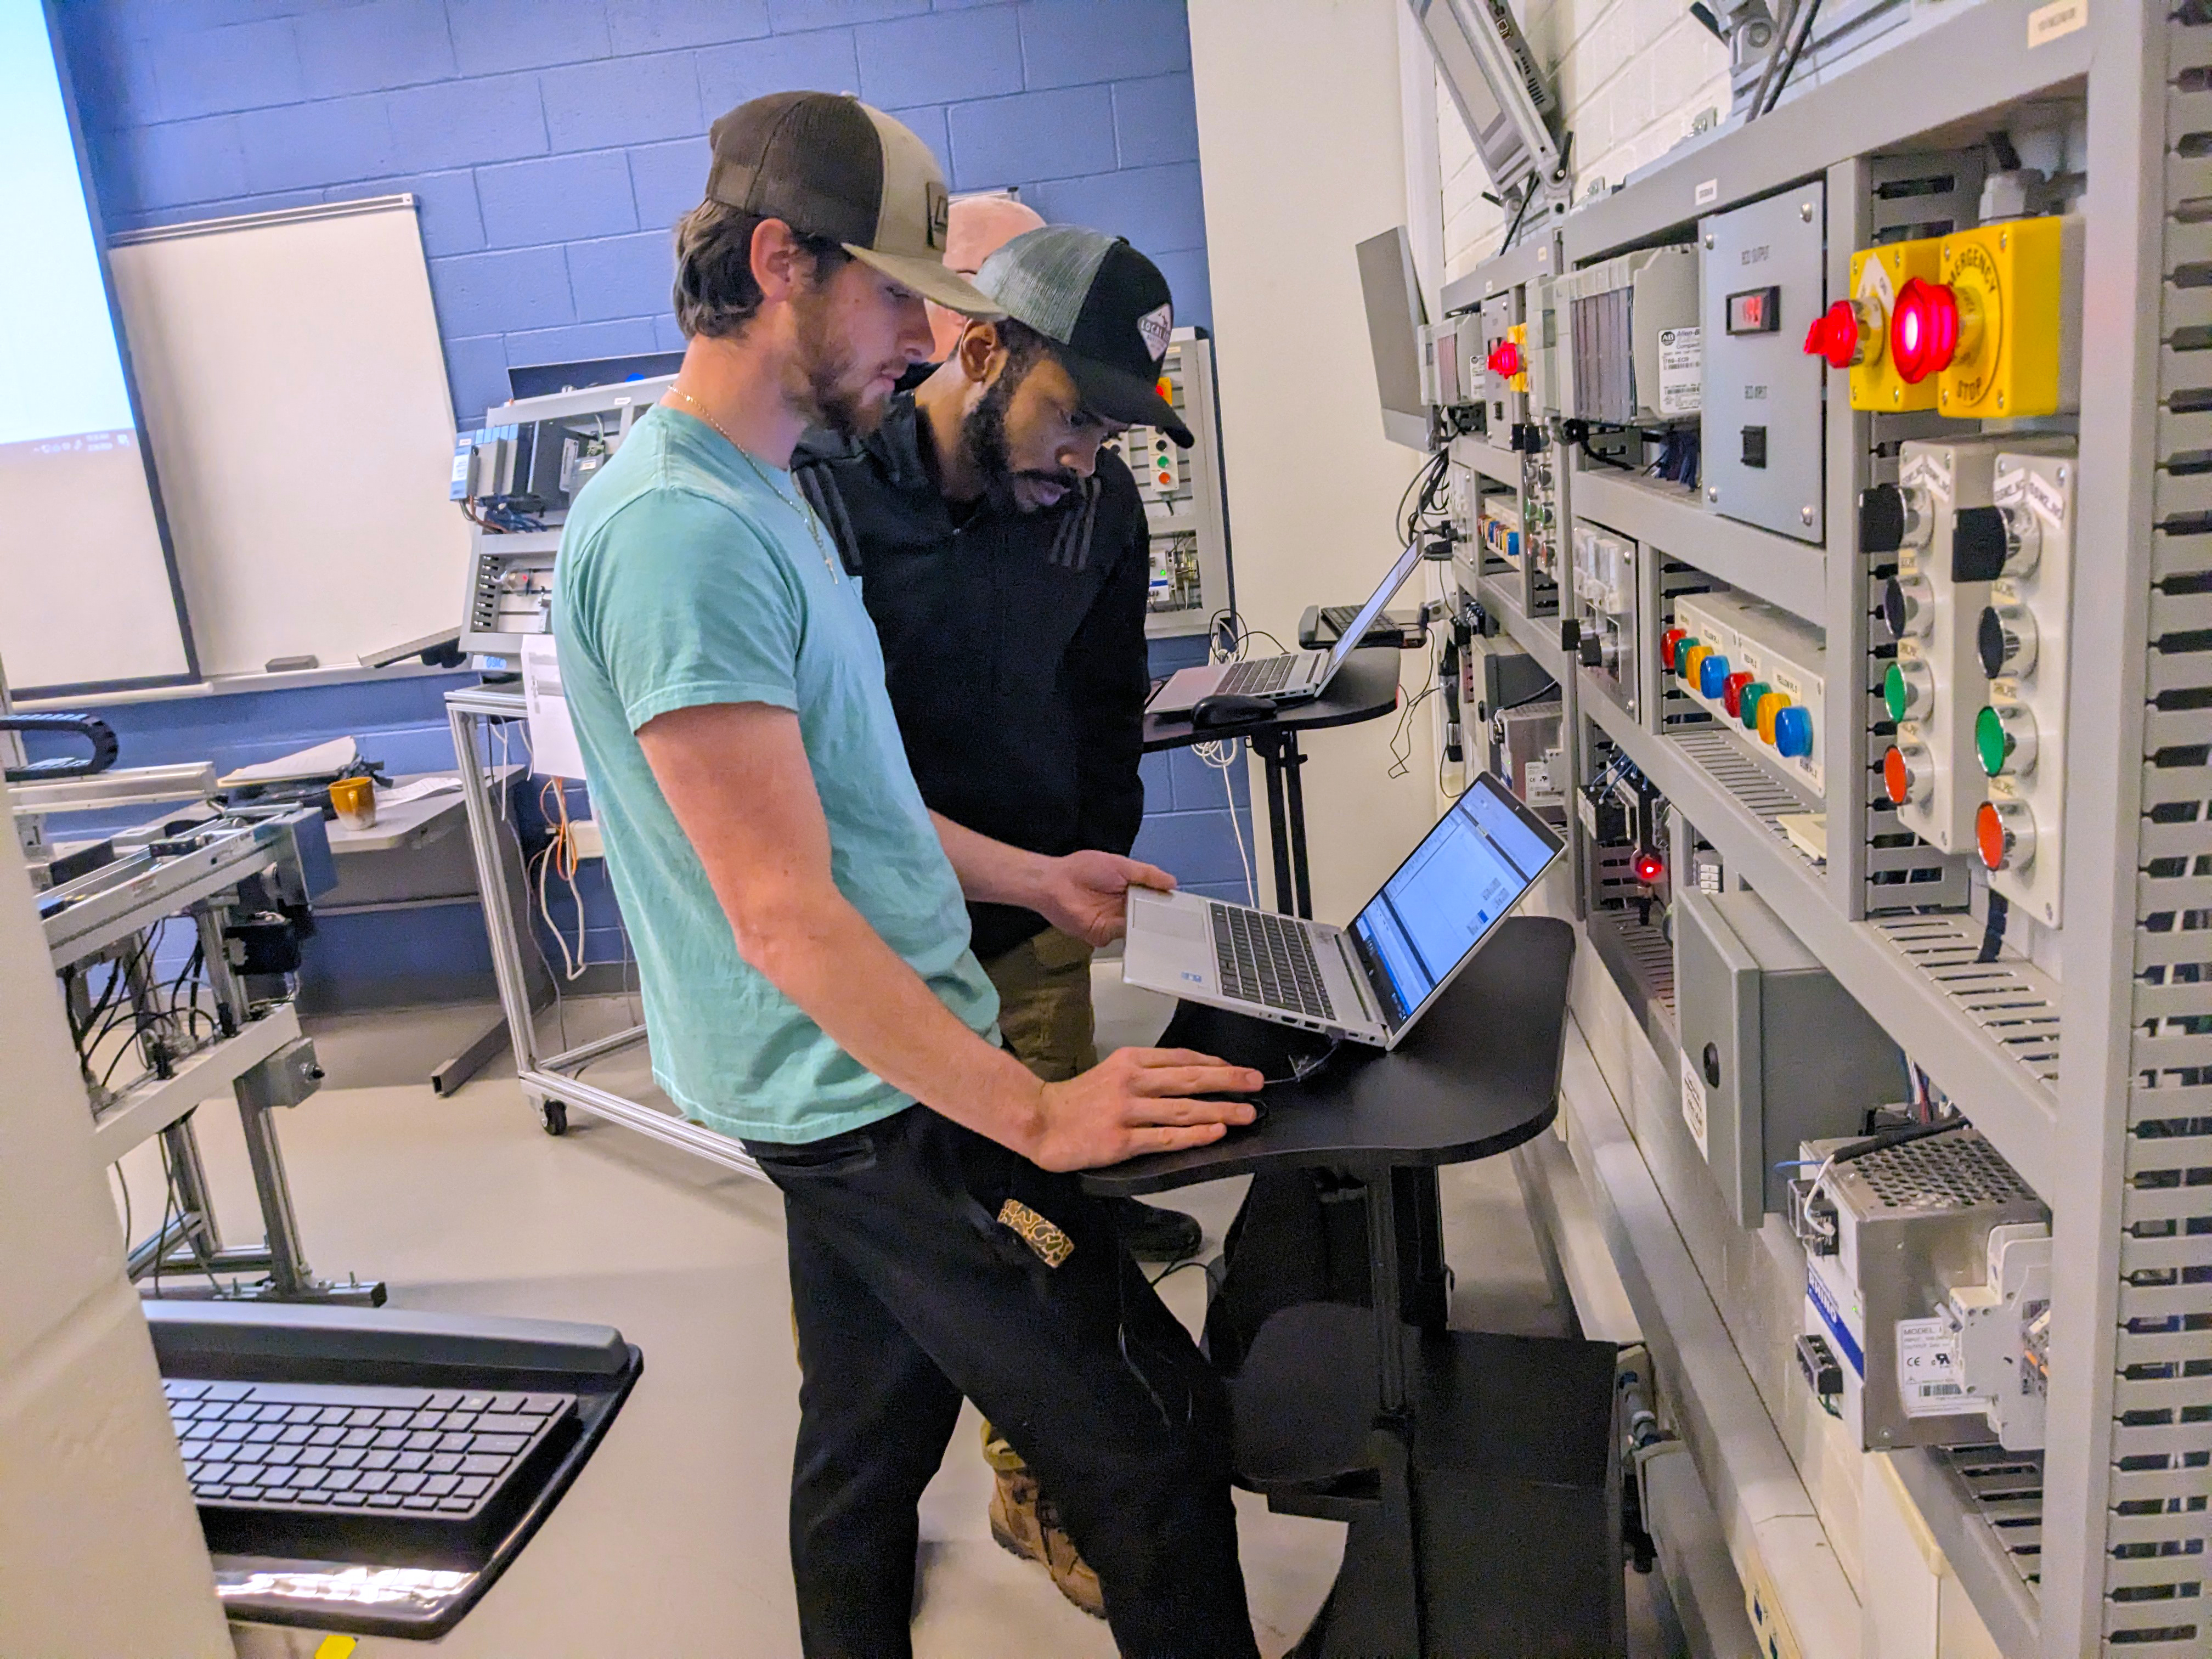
pixel 1774 1051
pixel 1764 285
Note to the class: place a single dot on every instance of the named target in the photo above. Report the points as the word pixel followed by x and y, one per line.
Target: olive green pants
pixel 1046 1017
pixel 1045 1004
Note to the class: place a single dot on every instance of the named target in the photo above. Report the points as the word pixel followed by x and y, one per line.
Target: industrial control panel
pixel 1760 671
pixel 515 477
pixel 1186 509
pixel 1764 286
pixel 1898 409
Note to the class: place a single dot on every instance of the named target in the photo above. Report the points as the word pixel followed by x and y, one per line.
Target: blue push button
pixel 1793 731
pixel 1712 675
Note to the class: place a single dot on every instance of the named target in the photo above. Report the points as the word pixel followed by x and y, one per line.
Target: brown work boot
pixel 1067 1567
pixel 1014 1514
pixel 1027 1525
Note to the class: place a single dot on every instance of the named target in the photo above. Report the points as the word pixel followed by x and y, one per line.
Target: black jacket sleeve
pixel 1109 681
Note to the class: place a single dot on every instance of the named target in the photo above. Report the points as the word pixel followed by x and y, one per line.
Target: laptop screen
pixel 1466 874
pixel 1348 642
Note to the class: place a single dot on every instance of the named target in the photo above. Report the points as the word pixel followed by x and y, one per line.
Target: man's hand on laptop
pixel 1137 1101
pixel 1087 894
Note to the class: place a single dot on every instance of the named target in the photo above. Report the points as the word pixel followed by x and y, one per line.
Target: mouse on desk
pixel 1229 708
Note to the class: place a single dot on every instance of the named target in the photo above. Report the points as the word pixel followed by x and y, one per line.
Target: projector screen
pixel 88 595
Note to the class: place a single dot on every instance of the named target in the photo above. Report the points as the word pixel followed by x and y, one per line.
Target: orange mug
pixel 354 799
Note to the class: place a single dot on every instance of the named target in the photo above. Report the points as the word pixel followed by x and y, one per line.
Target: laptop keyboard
pixel 1340 616
pixel 1268 959
pixel 1257 677
pixel 333 1449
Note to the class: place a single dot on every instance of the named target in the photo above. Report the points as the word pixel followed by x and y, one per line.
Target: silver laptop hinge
pixel 1351 965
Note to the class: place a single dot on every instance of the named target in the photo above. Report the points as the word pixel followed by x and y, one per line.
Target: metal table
pixel 550 1081
pixel 1365 688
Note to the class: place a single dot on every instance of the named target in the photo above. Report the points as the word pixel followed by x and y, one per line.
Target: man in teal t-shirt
pixel 802 938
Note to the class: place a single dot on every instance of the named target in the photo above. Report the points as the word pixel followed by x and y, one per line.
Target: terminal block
pixel 1997 1325
pixel 1760 671
pixel 2025 540
pixel 1935 687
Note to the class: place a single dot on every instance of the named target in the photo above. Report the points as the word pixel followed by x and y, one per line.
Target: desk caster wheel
pixel 554 1114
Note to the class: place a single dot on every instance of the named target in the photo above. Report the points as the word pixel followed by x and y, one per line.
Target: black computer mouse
pixel 1228 708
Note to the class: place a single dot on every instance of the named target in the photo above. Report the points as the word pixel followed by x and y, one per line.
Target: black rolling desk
pixel 1365 688
pixel 1480 1474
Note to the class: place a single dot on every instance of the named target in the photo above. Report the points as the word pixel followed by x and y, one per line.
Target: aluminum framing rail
pixel 547 1081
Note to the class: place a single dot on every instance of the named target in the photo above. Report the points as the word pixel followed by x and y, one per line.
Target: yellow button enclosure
pixel 1876 275
pixel 2010 280
pixel 1518 334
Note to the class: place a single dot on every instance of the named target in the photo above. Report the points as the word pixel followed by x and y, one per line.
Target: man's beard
pixel 983 441
pixel 823 385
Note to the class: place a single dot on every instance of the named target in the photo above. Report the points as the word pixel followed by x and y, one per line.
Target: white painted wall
pixel 1302 146
pixel 101 1553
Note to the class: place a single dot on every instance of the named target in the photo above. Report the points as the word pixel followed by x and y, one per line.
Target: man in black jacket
pixel 1005 563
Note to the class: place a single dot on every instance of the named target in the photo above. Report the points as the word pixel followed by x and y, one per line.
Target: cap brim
pixel 1119 395
pixel 930 279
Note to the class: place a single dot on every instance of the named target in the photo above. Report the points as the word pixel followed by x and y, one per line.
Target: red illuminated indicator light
pixel 1835 335
pixel 1923 330
pixel 1506 360
pixel 1649 866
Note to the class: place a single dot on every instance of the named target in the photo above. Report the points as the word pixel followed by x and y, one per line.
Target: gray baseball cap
pixel 828 165
pixel 1106 309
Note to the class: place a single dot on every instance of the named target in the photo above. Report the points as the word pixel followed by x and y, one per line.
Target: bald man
pixel 978 227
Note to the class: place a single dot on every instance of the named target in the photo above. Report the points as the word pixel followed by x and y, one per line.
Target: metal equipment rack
pixel 2094 1088
pixel 256 1050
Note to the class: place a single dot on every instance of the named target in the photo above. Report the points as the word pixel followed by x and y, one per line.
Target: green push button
pixel 1993 745
pixel 1748 701
pixel 1894 696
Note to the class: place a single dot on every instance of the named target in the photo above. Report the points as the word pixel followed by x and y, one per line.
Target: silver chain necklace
pixel 800 508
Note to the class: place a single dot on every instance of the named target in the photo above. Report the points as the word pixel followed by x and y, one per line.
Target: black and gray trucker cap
pixel 1106 309
pixel 828 165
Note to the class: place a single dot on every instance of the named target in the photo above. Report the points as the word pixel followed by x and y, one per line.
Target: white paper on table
pixel 400 795
pixel 554 752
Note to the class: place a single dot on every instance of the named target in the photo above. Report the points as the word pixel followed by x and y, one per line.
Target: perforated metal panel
pixel 2160 1433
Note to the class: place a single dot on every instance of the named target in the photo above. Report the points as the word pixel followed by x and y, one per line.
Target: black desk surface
pixel 1365 687
pixel 1479 1075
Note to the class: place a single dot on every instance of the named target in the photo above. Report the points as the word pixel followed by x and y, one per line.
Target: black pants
pixel 910 1293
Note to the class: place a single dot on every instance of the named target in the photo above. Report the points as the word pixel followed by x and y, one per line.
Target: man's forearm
pixel 991 871
pixel 821 952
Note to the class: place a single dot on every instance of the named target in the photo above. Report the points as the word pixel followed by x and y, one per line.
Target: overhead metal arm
pixel 1503 95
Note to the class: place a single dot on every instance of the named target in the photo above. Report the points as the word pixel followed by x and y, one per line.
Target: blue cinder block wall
pixel 551 145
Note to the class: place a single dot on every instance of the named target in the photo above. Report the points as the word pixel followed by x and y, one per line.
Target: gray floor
pixel 672 1541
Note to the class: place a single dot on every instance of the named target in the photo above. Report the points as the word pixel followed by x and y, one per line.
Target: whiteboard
pixel 294 391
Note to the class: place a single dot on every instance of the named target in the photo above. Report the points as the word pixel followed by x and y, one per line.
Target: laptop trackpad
pixel 1186 923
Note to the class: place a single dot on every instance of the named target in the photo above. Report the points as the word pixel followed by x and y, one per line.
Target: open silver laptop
pixel 1368 982
pixel 1294 676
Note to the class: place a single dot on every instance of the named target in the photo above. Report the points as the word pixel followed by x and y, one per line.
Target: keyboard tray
pixel 344 1403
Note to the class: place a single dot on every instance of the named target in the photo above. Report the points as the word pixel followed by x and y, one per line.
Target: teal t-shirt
pixel 684 578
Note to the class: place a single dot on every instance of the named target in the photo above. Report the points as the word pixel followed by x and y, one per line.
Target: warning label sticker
pixel 1928 1382
pixel 1693 1104
pixel 1681 371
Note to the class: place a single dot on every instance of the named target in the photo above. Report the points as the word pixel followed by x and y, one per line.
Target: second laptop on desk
pixel 1368 982
pixel 1293 677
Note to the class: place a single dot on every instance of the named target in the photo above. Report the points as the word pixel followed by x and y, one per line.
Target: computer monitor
pixel 538 379
pixel 1395 317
